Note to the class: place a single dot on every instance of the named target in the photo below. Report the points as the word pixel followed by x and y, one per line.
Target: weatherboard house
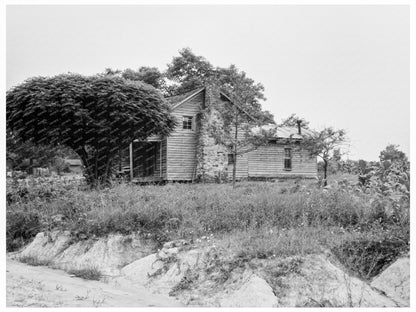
pixel 192 153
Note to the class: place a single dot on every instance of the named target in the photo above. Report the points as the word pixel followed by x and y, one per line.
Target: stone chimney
pixel 299 128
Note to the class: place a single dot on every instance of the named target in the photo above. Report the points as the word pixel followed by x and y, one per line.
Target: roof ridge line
pixel 188 97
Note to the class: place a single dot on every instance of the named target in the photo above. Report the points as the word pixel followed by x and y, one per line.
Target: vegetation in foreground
pixel 365 226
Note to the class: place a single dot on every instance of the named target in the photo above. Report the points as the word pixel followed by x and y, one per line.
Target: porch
pixel 147 161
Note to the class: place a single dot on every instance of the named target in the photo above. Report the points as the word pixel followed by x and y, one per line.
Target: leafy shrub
pixel 33 261
pixel 91 273
pixel 275 273
pixel 173 211
pixel 368 257
pixel 21 227
pixel 390 179
pixel 41 188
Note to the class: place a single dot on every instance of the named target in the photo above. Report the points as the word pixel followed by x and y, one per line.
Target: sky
pixel 347 67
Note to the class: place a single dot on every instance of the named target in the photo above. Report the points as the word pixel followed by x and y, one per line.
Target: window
pixel 187 122
pixel 288 159
pixel 230 159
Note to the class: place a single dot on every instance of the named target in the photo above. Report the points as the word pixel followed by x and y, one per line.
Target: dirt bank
pixel 195 274
pixel 39 286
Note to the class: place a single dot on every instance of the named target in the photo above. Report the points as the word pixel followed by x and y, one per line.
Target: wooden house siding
pixel 268 161
pixel 242 168
pixel 182 144
pixel 195 155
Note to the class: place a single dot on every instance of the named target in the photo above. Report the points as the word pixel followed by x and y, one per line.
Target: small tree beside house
pixel 323 144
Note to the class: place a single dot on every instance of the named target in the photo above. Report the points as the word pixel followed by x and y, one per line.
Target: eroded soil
pixel 40 286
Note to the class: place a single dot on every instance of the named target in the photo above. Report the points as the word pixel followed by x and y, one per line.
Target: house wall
pixel 198 155
pixel 241 169
pixel 268 162
pixel 182 144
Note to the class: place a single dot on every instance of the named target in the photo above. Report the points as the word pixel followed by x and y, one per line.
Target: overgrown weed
pixel 90 273
pixel 256 219
pixel 33 261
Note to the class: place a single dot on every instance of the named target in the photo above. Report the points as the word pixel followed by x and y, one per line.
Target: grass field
pixel 254 220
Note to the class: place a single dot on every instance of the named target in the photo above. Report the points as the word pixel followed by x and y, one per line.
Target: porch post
pixel 160 160
pixel 131 160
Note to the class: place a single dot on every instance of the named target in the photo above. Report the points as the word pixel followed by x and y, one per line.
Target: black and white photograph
pixel 236 155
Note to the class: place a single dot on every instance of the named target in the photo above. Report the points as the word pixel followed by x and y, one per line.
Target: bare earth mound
pixel 195 275
pixel 29 286
pixel 395 281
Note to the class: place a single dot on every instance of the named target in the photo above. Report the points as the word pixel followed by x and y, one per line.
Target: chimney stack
pixel 299 128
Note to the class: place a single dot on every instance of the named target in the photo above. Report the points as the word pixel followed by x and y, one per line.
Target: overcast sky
pixel 340 66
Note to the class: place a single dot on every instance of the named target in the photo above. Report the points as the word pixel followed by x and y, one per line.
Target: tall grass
pixel 265 219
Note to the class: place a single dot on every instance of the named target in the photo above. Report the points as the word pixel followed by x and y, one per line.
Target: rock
pixel 165 254
pixel 45 247
pixel 176 243
pixel 140 271
pixel 161 274
pixel 255 292
pixel 395 281
pixel 175 271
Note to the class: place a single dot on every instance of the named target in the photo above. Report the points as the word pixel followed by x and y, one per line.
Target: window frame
pixel 231 159
pixel 187 121
pixel 287 160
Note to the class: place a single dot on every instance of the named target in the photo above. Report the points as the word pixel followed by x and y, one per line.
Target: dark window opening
pixel 230 159
pixel 288 159
pixel 187 122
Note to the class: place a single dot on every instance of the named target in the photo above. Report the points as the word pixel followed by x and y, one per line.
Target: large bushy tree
pixel 95 116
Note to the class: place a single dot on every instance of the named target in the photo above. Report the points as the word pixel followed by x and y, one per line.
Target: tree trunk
pixel 325 171
pixel 120 167
pixel 30 165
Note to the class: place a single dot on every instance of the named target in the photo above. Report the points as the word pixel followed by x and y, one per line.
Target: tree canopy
pixel 189 71
pixel 323 144
pixel 149 75
pixel 95 116
pixel 392 153
pixel 292 121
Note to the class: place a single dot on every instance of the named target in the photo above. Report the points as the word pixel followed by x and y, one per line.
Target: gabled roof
pixel 224 96
pixel 177 100
pixel 284 132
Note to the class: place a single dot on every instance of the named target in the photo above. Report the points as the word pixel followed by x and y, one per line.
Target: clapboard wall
pixel 182 143
pixel 268 162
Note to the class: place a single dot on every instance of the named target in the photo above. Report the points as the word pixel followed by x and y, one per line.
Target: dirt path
pixel 30 286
